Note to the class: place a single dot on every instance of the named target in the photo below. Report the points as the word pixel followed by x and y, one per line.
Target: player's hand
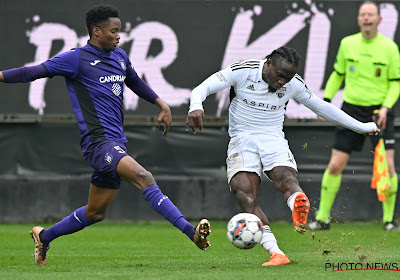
pixel 376 132
pixel 320 118
pixel 164 116
pixel 194 119
pixel 380 116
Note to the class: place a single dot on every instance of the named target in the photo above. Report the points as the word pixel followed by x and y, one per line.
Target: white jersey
pixel 255 109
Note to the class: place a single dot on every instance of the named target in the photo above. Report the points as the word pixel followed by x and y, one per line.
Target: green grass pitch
pixel 157 250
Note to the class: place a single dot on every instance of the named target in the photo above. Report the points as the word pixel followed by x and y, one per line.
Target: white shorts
pixel 258 153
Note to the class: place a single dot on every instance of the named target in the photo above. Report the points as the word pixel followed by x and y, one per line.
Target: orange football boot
pixel 277 259
pixel 300 212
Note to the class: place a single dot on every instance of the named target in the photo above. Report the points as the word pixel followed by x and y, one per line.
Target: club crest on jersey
pixel 280 92
pixel 122 62
pixel 108 158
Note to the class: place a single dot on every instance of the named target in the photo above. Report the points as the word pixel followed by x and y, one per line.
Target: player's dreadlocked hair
pixel 288 54
pixel 98 15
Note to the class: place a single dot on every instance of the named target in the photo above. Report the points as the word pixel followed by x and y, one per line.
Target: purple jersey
pixel 95 81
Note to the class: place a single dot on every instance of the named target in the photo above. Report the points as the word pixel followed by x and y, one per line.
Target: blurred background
pixel 173 45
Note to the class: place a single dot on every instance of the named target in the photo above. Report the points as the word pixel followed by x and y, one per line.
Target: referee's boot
pixel 391 226
pixel 318 225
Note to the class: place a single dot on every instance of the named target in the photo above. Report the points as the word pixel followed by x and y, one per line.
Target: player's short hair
pixel 98 15
pixel 373 3
pixel 288 54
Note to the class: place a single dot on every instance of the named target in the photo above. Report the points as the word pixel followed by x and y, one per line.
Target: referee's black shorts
pixel 347 140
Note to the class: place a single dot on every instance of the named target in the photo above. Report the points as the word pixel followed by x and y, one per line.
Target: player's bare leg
pixel 245 186
pixel 286 181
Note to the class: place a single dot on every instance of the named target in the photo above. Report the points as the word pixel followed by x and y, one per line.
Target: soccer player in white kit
pixel 260 92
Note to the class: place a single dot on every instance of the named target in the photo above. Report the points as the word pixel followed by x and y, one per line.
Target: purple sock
pixel 161 203
pixel 73 223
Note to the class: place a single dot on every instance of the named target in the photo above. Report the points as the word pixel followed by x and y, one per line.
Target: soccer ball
pixel 244 230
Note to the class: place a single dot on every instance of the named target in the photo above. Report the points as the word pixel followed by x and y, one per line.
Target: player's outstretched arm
pixel 164 116
pixel 24 74
pixel 335 115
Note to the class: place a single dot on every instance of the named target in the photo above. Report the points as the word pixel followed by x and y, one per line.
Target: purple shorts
pixel 104 157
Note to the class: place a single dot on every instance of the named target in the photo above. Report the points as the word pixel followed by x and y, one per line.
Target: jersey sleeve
pixel 333 85
pixel 138 86
pixel 25 74
pixel 65 64
pixel 336 78
pixel 328 111
pixel 340 61
pixel 394 67
pixel 394 79
pixel 302 93
pixel 216 82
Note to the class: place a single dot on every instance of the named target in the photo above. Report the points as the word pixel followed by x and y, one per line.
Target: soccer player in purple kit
pixel 94 75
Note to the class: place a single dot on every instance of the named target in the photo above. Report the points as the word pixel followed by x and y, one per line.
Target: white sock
pixel 268 241
pixel 290 201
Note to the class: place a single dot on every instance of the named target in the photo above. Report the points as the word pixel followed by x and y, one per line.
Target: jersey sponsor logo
pixel 108 158
pixel 251 87
pixel 260 105
pixel 112 78
pixel 95 62
pixel 116 89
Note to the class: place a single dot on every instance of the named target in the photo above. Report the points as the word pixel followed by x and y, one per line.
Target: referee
pixel 368 62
